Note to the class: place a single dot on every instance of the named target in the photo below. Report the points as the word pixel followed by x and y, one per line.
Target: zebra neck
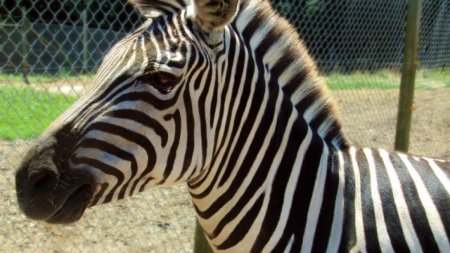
pixel 277 134
pixel 252 187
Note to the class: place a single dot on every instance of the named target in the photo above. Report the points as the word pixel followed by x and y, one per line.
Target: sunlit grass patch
pixel 25 112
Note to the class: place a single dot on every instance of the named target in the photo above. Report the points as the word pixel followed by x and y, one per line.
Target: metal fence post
pixel 85 38
pixel 201 245
pixel 25 46
pixel 410 62
pixel 85 52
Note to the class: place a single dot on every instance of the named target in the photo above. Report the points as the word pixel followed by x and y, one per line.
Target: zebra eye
pixel 164 82
pixel 165 79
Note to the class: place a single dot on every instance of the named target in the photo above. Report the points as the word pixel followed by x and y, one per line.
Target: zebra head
pixel 147 119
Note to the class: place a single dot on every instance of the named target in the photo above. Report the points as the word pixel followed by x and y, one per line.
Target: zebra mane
pixel 291 63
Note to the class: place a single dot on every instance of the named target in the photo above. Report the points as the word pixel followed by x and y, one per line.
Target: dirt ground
pixel 162 220
pixel 369 119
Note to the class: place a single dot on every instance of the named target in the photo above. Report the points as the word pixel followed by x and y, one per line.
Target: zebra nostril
pixel 43 179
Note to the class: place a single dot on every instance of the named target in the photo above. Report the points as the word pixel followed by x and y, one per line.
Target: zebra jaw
pixel 49 190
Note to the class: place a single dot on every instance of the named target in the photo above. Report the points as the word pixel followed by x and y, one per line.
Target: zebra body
pixel 223 96
pixel 393 202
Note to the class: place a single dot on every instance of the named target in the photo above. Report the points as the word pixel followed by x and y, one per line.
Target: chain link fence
pixel 49 51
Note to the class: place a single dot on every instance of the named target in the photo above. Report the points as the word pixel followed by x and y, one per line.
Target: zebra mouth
pixel 73 208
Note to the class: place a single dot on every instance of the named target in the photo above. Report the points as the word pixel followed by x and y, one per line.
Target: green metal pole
pixel 410 62
pixel 201 245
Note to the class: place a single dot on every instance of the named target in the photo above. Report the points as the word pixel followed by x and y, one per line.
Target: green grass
pixel 360 80
pixel 425 80
pixel 26 112
pixel 437 77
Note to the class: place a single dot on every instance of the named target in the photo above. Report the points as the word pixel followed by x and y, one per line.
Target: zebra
pixel 223 96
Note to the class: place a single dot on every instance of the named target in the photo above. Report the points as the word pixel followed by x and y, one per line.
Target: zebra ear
pixel 213 15
pixel 154 8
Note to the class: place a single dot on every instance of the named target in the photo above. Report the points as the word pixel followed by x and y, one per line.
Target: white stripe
pixel 325 127
pixel 439 174
pixel 288 72
pixel 272 55
pixel 360 245
pixel 316 202
pixel 289 193
pixel 338 216
pixel 431 212
pixel 289 245
pixel 382 233
pixel 250 177
pixel 307 87
pixel 157 50
pixel 243 20
pixel 313 110
pixel 402 208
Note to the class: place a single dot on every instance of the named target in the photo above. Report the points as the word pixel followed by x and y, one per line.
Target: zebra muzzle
pixel 47 192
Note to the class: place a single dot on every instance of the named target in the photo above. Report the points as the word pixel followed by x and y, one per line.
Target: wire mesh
pixel 49 51
pixel 358 47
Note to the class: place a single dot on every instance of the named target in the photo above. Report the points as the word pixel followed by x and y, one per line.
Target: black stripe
pixel 255 146
pixel 263 46
pixel 175 145
pixel 243 227
pixel 161 5
pixel 296 79
pixel 223 94
pixel 296 136
pixel 185 24
pixel 304 191
pixel 100 193
pixel 334 132
pixel 131 136
pixel 392 220
pixel 149 98
pixel 415 207
pixel 190 125
pixel 111 149
pixel 148 180
pixel 261 173
pixel 88 111
pixel 105 168
pixel 307 101
pixel 323 229
pixel 261 131
pixel 252 26
pixel 320 116
pixel 240 102
pixel 143 119
pixel 368 212
pixel 348 230
pixel 203 113
pixel 202 68
pixel 257 98
pixel 435 188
